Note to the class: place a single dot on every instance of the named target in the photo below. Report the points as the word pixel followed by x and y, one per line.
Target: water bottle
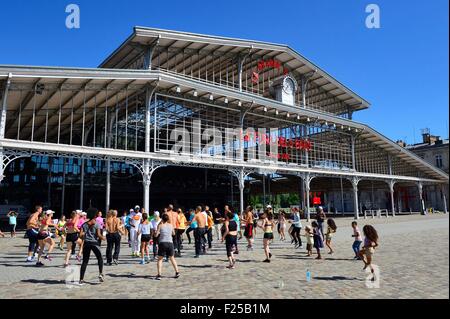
pixel 308 275
pixel 280 283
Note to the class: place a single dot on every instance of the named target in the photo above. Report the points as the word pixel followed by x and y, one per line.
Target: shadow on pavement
pixel 30 265
pixel 198 266
pixel 336 278
pixel 45 281
pixel 130 276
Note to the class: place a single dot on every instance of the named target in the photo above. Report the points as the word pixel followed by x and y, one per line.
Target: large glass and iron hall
pixel 189 118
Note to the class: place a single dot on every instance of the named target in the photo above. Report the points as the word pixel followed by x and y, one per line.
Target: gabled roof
pixel 131 49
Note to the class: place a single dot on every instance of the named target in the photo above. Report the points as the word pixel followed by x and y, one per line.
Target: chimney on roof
pixel 427 138
pixel 430 139
pixel 401 143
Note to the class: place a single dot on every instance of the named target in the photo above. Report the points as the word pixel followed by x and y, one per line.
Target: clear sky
pixel 401 68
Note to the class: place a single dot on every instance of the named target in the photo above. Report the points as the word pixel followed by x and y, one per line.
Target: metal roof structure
pixel 72 81
pixel 179 44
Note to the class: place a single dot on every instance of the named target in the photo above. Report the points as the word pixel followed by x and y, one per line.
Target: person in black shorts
pixel 165 233
pixel 267 226
pixel 144 230
pixel 230 237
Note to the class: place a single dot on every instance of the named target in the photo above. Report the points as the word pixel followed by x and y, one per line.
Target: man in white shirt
pixel 135 220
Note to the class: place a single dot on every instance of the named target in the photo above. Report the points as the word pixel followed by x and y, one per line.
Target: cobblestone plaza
pixel 413 258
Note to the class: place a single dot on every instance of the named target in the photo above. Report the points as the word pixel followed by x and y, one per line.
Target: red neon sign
pixel 298 144
pixel 271 63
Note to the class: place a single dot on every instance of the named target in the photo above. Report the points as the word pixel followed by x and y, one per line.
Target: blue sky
pixel 401 68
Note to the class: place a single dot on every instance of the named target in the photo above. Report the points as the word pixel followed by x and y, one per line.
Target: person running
pixel 165 232
pixel 317 236
pixel 296 229
pixel 309 240
pixel 155 222
pixel 114 229
pixel 248 232
pixel 218 221
pixel 61 232
pixel 79 220
pixel 135 220
pixel 32 232
pixel 320 218
pixel 12 216
pixel 44 237
pixel 282 225
pixel 230 238
pixel 267 226
pixel 199 231
pixel 72 236
pixel 331 229
pixel 182 224
pixel 90 234
pixel 144 231
pixel 192 225
pixel 370 243
pixel 82 219
pixel 357 240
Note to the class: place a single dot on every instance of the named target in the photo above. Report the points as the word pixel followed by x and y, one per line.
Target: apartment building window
pixel 438 161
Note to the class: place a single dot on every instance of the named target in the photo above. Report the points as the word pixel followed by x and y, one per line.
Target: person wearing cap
pixel 44 236
pixel 135 220
pixel 90 234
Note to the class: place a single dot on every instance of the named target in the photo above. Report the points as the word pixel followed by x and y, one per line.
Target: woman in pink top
pixel 101 225
pixel 81 220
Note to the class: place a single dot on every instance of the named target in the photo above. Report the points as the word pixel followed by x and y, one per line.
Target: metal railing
pixel 376 212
